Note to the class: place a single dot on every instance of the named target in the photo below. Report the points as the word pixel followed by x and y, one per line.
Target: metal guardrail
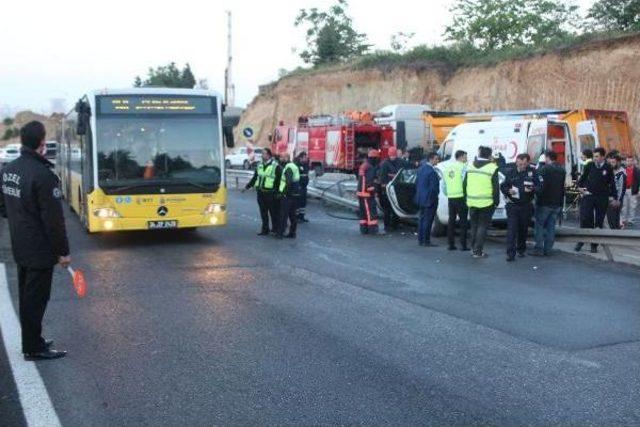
pixel 317 188
pixel 604 237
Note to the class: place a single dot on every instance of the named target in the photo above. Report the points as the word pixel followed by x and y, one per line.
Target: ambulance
pixel 507 137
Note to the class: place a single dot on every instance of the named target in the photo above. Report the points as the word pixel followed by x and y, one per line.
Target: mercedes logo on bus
pixel 162 210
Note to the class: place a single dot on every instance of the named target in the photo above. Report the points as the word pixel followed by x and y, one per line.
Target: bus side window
pixel 87 161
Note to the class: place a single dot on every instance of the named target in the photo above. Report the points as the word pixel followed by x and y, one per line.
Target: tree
pixel 614 15
pixel 497 24
pixel 168 76
pixel 400 41
pixel 10 133
pixel 330 35
pixel 8 121
pixel 187 77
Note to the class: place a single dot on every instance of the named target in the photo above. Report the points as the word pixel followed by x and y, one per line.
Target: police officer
pixel 289 190
pixel 519 187
pixel 367 181
pixel 30 200
pixel 266 180
pixel 597 187
pixel 453 180
pixel 303 165
pixel 482 195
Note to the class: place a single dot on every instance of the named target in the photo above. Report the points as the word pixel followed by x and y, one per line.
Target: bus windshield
pixel 140 151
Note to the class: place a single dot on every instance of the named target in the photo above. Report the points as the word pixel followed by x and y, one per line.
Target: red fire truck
pixel 334 143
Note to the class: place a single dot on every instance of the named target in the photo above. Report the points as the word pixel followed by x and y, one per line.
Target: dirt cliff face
pixel 51 124
pixel 599 75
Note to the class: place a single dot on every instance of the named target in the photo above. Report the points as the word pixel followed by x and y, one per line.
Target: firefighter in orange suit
pixel 367 175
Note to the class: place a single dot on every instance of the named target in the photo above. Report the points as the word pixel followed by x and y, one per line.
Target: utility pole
pixel 229 87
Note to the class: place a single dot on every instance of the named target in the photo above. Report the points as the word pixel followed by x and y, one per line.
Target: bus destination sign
pixel 145 104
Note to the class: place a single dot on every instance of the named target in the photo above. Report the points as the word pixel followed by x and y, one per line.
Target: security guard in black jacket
pixel 519 189
pixel 30 200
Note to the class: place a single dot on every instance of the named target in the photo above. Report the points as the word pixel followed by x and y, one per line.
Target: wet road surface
pixel 221 327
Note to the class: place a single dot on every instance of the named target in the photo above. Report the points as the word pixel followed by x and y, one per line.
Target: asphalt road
pixel 221 327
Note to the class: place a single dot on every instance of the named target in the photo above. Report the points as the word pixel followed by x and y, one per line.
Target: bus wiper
pixel 166 183
pixel 197 185
pixel 130 187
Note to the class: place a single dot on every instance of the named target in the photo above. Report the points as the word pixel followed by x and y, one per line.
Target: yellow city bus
pixel 144 158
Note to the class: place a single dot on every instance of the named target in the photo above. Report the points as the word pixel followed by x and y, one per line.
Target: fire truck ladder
pixel 350 148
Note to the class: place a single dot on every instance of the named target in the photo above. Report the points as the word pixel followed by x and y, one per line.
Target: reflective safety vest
pixel 295 175
pixel 480 185
pixel 453 177
pixel 266 175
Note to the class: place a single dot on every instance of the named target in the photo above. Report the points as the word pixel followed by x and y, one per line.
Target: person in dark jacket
pixel 500 161
pixel 266 181
pixel 481 209
pixel 549 202
pixel 620 181
pixel 426 198
pixel 598 189
pixel 289 191
pixel 367 183
pixel 30 200
pixel 518 188
pixel 630 203
pixel 388 170
pixel 303 164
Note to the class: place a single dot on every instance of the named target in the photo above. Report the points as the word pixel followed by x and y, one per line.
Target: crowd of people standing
pixel 608 189
pixel 533 193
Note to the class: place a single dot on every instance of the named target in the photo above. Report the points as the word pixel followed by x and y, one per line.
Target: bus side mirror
pixel 81 128
pixel 84 113
pixel 227 133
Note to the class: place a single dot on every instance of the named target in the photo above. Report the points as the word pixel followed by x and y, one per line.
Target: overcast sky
pixel 63 48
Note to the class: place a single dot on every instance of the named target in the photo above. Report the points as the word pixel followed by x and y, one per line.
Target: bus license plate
pixel 158 225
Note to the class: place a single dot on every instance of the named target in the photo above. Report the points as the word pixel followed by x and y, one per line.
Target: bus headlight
pixel 106 213
pixel 214 208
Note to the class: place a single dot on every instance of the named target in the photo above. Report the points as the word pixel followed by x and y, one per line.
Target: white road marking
pixel 36 404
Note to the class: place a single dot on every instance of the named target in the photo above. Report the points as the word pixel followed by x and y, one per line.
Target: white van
pixel 507 137
pixel 410 130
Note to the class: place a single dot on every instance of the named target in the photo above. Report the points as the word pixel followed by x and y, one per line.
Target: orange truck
pixel 589 128
pixel 600 128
